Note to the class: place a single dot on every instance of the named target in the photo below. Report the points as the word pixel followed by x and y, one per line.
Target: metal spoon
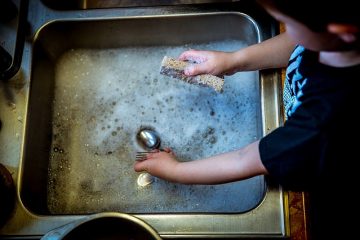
pixel 148 138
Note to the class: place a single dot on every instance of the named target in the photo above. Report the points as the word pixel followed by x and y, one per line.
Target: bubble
pixel 100 150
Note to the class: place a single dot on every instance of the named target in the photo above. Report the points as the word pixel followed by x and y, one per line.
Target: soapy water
pixel 104 97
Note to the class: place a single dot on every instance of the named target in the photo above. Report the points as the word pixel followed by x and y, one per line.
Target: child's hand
pixel 161 164
pixel 208 62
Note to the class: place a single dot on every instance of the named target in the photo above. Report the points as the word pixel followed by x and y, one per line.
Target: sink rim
pixel 273 193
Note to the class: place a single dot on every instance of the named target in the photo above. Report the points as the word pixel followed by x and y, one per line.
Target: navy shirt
pixel 316 149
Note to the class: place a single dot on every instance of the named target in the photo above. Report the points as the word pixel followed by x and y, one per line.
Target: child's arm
pixel 272 53
pixel 227 167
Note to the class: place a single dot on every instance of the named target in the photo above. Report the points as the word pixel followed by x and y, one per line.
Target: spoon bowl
pixel 148 139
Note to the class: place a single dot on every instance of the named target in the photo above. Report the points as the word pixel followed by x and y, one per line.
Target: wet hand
pixel 158 163
pixel 208 62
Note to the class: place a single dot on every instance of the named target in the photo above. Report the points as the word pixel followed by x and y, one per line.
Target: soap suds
pixel 103 98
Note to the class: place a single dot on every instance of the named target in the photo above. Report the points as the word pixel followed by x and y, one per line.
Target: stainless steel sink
pixel 91 94
pixel 95 83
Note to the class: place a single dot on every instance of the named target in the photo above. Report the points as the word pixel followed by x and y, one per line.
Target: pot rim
pixel 59 233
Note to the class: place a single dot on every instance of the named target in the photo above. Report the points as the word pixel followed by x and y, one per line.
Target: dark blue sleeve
pixel 289 155
pixel 293 154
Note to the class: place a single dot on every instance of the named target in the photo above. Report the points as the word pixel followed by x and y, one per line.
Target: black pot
pixel 105 226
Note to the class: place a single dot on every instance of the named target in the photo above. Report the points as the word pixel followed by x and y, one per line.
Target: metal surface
pixel 148 139
pixel 89 4
pixel 26 117
pixel 10 72
pixel 90 95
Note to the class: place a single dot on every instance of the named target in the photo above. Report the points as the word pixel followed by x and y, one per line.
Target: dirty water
pixel 103 97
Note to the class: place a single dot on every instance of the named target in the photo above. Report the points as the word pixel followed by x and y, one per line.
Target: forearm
pixel 272 53
pixel 232 166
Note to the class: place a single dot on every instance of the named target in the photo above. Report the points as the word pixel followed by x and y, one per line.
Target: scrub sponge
pixel 175 68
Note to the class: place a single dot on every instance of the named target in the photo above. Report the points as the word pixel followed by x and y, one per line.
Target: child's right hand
pixel 208 62
pixel 160 164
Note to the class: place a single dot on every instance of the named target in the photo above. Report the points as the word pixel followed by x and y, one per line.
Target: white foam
pixel 103 97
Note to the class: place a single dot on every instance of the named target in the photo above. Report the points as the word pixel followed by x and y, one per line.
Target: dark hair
pixel 316 14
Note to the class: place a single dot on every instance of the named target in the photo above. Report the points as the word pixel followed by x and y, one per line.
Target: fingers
pixel 150 159
pixel 196 69
pixel 145 163
pixel 159 164
pixel 193 55
pixel 204 62
pixel 149 164
pixel 168 150
pixel 198 57
pixel 140 166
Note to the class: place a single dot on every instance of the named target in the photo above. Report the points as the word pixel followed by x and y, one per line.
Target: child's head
pixel 331 26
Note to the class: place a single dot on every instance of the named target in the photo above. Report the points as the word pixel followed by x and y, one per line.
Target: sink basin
pixel 95 83
pixel 91 94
